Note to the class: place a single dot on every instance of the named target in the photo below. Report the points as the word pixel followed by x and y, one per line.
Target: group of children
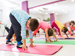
pixel 21 20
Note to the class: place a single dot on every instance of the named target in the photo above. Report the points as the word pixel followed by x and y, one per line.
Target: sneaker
pixel 20 45
pixel 9 43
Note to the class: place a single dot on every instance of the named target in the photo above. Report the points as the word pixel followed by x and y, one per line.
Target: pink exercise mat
pixel 39 49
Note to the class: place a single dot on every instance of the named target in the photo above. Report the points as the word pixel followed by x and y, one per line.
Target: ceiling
pixel 64 7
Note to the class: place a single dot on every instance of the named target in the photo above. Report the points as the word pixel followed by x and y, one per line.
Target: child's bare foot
pixel 11 40
pixel 63 38
pixel 14 40
pixel 45 41
pixel 51 41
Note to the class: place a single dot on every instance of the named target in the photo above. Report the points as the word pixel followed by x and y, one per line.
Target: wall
pixel 65 17
pixel 40 16
pixel 58 18
pixel 47 16
pixel 69 17
pixel 5 19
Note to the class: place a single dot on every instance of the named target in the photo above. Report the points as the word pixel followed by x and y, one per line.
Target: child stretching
pixel 20 20
pixel 48 30
pixel 60 27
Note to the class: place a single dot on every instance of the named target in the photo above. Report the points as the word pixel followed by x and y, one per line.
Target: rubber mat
pixel 38 49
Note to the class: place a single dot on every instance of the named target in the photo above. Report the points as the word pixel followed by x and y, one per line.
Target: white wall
pixel 5 18
pixel 40 16
pixel 69 17
pixel 46 16
pixel 58 18
pixel 65 17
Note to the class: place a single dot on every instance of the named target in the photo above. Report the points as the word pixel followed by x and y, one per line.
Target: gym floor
pixel 66 50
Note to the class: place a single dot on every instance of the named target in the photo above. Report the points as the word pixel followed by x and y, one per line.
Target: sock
pixel 8 40
pixel 18 42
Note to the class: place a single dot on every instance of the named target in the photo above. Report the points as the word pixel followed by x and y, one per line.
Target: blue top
pixel 22 17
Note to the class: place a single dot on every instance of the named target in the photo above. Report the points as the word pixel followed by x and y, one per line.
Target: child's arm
pixel 24 44
pixel 36 31
pixel 66 34
pixel 62 35
pixel 54 35
pixel 31 38
pixel 46 31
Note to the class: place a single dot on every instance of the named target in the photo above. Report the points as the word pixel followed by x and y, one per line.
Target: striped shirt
pixel 22 17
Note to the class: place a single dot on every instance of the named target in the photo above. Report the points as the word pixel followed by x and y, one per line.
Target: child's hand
pixel 24 47
pixel 50 42
pixel 31 45
pixel 45 41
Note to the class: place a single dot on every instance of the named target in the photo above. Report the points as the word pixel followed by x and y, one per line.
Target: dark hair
pixel 38 31
pixel 33 24
pixel 65 29
pixel 50 32
pixel 71 22
pixel 27 32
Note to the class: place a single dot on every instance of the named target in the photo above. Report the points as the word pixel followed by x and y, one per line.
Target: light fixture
pixel 46 13
pixel 72 0
pixel 55 3
pixel 52 12
pixel 56 13
pixel 65 12
pixel 40 12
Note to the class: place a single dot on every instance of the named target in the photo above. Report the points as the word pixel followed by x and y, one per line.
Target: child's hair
pixel 33 24
pixel 65 29
pixel 38 31
pixel 71 22
pixel 27 32
pixel 50 32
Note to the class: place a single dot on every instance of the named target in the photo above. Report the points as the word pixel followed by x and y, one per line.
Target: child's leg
pixel 14 37
pixel 17 29
pixel 47 40
pixel 11 32
pixel 7 29
pixel 55 36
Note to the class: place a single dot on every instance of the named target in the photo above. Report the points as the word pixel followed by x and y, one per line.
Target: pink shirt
pixel 44 25
pixel 72 28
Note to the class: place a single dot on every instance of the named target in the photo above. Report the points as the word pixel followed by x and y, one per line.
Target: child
pixel 48 30
pixel 60 27
pixel 20 20
pixel 7 29
pixel 72 28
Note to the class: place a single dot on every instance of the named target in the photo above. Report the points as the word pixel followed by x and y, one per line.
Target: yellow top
pixel 60 26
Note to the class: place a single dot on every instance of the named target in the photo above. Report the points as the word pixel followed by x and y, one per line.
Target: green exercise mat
pixel 59 42
pixel 72 42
